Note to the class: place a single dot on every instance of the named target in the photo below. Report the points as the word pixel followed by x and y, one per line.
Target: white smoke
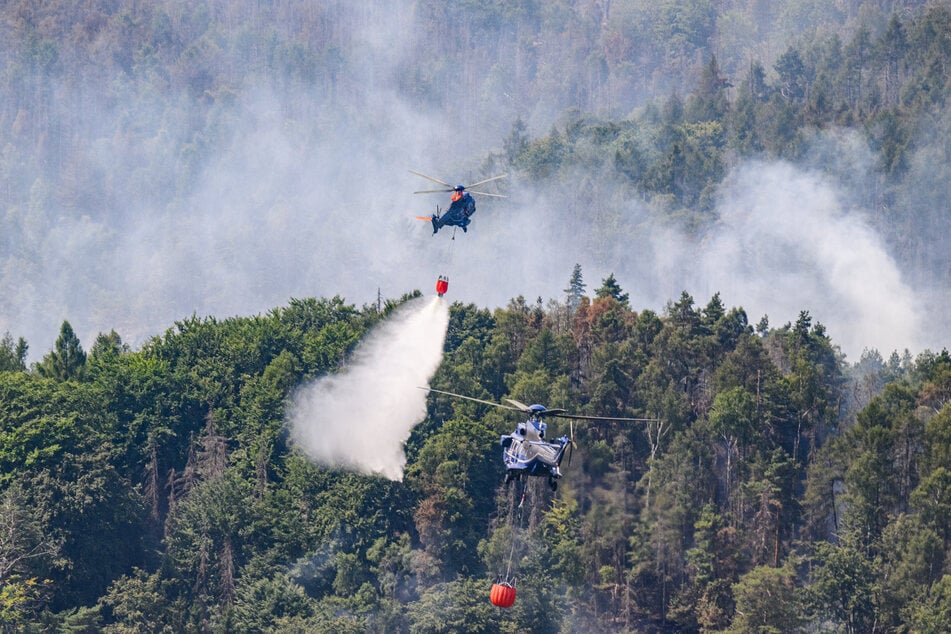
pixel 360 418
pixel 305 192
pixel 787 242
pixel 785 239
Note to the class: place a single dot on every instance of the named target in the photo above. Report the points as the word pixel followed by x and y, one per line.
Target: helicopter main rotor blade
pixel 472 191
pixel 528 410
pixel 488 180
pixel 522 406
pixel 607 418
pixel 470 398
pixel 435 180
pixel 433 191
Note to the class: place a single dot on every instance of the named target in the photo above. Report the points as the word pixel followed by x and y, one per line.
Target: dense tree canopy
pixel 158 490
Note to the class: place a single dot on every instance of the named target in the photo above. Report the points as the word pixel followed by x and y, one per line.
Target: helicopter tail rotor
pixel 571 440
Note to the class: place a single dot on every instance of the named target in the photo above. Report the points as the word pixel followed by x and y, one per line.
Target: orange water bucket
pixel 442 285
pixel 503 595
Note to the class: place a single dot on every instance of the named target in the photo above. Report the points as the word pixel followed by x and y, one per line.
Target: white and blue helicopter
pixel 525 451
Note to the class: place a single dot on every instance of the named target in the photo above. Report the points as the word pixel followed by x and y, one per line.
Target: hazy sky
pixel 322 205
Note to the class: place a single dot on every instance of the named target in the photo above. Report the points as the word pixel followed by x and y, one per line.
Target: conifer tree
pixel 67 360
pixel 12 355
pixel 611 288
pixel 576 286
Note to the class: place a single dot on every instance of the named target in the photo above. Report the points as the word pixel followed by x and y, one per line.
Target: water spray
pixel 360 417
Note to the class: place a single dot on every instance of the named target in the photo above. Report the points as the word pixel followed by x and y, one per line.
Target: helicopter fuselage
pixel 526 452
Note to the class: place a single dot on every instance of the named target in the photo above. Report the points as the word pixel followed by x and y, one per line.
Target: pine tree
pixel 67 360
pixel 576 286
pixel 12 355
pixel 611 288
pixel 517 142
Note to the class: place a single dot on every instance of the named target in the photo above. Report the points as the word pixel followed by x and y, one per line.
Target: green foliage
pixel 543 158
pixel 932 499
pixel 841 586
pixel 938 439
pixel 576 286
pixel 161 491
pixel 262 603
pixel 911 561
pixel 12 355
pixel 732 416
pixel 885 466
pixel 67 360
pixel 138 602
pixel 456 606
pixel 19 601
pixel 454 475
pixel 767 602
pixel 25 551
pixel 931 615
pixel 611 288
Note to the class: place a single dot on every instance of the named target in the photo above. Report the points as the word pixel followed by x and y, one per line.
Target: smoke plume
pixel 786 241
pixel 359 418
pixel 303 190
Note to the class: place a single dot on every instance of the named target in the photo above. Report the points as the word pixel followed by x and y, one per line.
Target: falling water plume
pixel 360 417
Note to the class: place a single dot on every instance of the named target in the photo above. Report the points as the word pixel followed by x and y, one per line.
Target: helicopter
pixel 463 205
pixel 526 452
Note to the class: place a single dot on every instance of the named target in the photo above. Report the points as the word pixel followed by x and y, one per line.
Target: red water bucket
pixel 503 595
pixel 442 285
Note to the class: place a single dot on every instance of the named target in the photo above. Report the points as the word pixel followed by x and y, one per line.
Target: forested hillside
pixel 213 159
pixel 157 490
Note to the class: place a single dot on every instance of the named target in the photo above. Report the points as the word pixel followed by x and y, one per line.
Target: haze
pixel 309 194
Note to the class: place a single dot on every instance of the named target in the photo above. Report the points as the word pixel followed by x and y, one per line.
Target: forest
pixel 775 489
pixel 778 486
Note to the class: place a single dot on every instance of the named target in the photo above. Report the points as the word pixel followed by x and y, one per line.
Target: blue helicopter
pixel 525 451
pixel 463 205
